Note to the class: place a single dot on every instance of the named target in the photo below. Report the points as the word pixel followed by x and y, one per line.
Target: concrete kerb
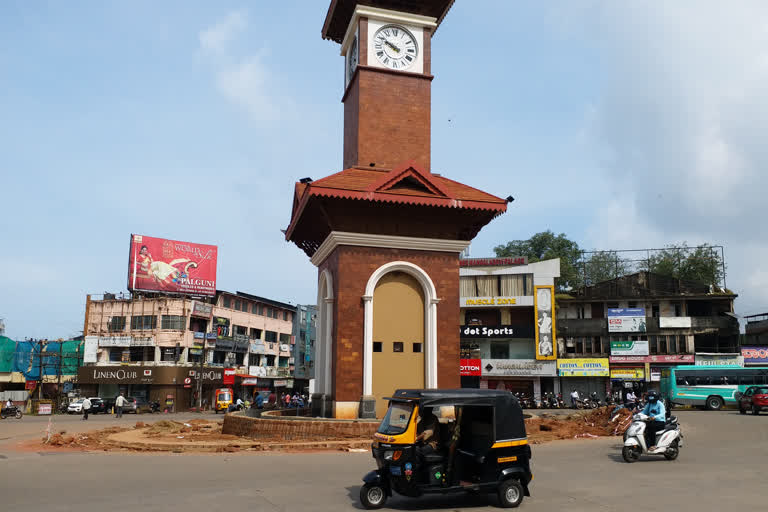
pixel 298 428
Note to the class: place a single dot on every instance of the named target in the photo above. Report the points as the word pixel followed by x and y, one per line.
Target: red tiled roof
pixel 413 186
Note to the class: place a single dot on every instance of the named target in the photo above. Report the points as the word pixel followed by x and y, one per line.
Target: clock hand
pixel 392 46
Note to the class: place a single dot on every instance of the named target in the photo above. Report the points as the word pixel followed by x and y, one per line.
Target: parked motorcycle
pixel 552 401
pixel 560 401
pixel 154 407
pixel 11 412
pixel 667 443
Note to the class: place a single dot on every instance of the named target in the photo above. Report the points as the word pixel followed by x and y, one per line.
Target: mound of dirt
pixel 596 423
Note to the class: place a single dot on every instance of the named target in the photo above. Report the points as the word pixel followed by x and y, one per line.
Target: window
pixel 254 308
pixel 168 354
pixel 255 333
pixel 285 338
pixel 285 316
pixel 499 350
pixel 117 323
pixel 678 308
pixel 270 336
pixel 227 302
pixel 655 310
pixel 417 347
pixel 270 360
pixel 612 305
pixel 260 310
pixel 238 304
pixel 662 344
pixel 239 329
pixel 588 346
pixel 174 322
pixel 673 344
pixel 653 345
pixel 219 357
pixel 632 304
pixel 143 322
pixel 115 355
pixel 579 345
pixel 598 345
pixel 377 346
pixel 397 346
pixel 275 312
pixel 139 354
pixel 269 312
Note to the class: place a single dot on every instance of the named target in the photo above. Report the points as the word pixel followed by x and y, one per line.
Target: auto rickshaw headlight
pixel 388 455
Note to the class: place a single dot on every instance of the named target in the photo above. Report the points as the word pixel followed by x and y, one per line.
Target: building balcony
pixel 581 327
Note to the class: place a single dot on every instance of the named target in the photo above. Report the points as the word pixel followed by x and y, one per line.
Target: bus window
pixel 746 380
pixel 682 381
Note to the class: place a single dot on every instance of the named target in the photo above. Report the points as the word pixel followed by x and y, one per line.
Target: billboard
pixel 496 331
pixel 629 348
pixel 544 306
pixel 753 355
pixel 626 320
pixel 517 368
pixel 583 367
pixel 470 368
pixel 160 265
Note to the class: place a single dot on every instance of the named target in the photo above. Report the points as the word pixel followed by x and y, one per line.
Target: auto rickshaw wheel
pixel 372 496
pixel 510 493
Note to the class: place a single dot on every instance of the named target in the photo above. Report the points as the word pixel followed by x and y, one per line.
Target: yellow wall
pixel 398 316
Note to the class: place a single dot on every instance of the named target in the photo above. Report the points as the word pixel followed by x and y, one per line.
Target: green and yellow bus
pixel 710 386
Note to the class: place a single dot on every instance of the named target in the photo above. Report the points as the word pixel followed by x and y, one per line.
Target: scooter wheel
pixel 18 415
pixel 672 452
pixel 630 453
pixel 372 496
pixel 510 493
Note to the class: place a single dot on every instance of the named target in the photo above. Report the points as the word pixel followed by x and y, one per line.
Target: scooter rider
pixel 654 409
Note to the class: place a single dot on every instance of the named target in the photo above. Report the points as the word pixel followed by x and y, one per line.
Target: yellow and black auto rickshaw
pixel 483 447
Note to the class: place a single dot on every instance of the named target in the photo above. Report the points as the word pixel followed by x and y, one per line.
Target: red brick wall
pixel 298 429
pixel 387 119
pixel 351 268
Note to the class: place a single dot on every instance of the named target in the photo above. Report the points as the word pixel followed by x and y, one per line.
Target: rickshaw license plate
pixel 396 470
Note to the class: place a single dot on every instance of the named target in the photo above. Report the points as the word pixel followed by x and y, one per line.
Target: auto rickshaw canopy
pixel 509 422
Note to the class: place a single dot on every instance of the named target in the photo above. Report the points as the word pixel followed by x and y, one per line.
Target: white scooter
pixel 668 441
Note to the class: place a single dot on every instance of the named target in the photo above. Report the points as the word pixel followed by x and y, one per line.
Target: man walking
pixel 119 403
pixel 86 408
pixel 574 398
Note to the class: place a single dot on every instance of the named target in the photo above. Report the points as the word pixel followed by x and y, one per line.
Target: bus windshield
pixel 396 420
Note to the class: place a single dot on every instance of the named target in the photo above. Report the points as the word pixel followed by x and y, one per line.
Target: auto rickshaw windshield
pixel 397 418
pixel 224 397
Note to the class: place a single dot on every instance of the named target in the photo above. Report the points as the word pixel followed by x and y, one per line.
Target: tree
pixel 603 266
pixel 547 246
pixel 700 264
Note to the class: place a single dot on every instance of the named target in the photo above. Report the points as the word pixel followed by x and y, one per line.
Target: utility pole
pixel 200 375
pixel 40 365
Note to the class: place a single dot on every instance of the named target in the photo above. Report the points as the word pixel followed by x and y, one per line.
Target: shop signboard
pixel 114 341
pixel 629 348
pixel 229 377
pixel 619 373
pixel 755 355
pixel 142 341
pixel 225 345
pixel 258 371
pixel 655 374
pixel 470 368
pixel 484 302
pixel 626 319
pixel 663 359
pixel 496 331
pixel 494 262
pixel 250 382
pixel 675 322
pixel 202 310
pixel 170 266
pixel 241 347
pixel 586 367
pixel 287 383
pixel 517 368
pixel 44 409
pixel 30 384
pixel 703 359
pixel 544 308
pixel 91 349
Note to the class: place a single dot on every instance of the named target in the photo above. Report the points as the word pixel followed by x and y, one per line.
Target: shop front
pixel 625 378
pixel 525 376
pixel 174 387
pixel 585 375
pixel 755 355
pixel 652 367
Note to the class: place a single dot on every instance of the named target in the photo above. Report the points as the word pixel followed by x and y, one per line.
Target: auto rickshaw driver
pixel 427 432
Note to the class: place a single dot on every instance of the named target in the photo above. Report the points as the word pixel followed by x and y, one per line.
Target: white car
pixel 75 407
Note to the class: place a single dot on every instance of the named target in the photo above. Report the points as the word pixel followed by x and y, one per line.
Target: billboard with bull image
pixel 170 266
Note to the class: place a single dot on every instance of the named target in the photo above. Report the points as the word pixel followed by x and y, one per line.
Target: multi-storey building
pixel 154 346
pixel 501 315
pixel 643 322
pixel 304 332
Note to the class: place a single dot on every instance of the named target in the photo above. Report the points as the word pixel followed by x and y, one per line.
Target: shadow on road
pixel 433 502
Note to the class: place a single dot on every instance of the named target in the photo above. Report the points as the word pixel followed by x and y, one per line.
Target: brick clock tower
pixel 386 232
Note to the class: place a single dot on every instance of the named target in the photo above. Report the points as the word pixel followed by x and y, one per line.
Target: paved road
pixel 721 466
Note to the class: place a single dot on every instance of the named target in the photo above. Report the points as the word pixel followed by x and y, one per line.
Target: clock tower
pixel 386 232
pixel 387 81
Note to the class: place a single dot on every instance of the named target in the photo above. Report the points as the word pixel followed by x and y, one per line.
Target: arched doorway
pixel 398 336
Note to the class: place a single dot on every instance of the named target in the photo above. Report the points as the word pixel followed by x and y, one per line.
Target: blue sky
pixel 623 126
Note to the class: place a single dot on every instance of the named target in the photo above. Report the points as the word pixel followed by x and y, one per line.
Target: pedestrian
pixel 574 397
pixel 288 400
pixel 119 403
pixel 86 408
pixel 272 399
pixel 259 400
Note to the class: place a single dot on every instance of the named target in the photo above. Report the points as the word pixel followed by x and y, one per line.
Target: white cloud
pixel 682 116
pixel 218 37
pixel 244 80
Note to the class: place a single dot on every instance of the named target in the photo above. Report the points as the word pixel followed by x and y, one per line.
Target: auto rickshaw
pixel 222 400
pixel 483 447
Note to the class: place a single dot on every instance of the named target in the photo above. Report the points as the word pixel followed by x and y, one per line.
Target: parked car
pixel 75 407
pixel 98 406
pixel 755 398
pixel 136 405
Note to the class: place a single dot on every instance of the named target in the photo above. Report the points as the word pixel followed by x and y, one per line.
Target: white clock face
pixel 352 57
pixel 395 47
